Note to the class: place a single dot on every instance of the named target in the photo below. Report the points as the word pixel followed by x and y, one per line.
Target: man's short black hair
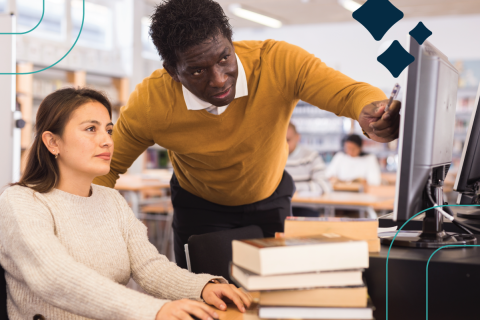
pixel 180 24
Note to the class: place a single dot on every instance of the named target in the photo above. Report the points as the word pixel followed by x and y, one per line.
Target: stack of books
pixel 317 277
pixel 356 229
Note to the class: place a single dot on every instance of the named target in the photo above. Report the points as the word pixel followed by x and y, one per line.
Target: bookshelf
pixel 156 157
pixel 33 88
pixel 465 105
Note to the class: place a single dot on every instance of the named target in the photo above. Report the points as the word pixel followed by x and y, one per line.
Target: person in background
pixel 307 170
pixel 353 164
pixel 69 247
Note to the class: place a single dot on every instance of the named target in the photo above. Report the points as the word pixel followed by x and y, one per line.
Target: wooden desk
pixel 130 182
pixel 389 178
pixel 348 186
pixel 132 186
pixel 364 202
pixel 232 313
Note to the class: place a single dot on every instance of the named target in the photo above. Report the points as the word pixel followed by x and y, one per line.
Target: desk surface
pixel 453 282
pixel 128 182
pixel 232 313
pixel 348 186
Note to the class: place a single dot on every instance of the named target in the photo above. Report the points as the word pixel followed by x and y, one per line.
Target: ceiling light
pixel 350 5
pixel 237 10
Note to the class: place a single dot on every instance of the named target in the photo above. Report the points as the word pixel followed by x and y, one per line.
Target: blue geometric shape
pixel 395 59
pixel 378 16
pixel 420 33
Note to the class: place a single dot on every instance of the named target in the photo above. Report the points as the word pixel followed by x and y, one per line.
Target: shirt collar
pixel 241 90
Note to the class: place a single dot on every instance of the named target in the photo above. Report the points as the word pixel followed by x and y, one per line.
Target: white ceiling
pixel 324 11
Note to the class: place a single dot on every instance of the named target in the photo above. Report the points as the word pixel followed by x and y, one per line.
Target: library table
pixel 348 186
pixel 132 186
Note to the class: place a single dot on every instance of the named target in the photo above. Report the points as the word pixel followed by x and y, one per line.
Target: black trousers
pixel 304 212
pixel 193 215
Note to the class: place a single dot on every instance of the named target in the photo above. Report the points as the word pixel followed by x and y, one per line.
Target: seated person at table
pixel 353 164
pixel 307 170
pixel 69 247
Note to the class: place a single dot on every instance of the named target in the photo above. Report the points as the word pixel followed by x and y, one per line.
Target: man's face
pixel 208 70
pixel 292 139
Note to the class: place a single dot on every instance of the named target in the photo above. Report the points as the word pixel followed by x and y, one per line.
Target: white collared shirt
pixel 195 103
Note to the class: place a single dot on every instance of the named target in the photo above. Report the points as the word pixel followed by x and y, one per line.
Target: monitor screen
pixel 426 126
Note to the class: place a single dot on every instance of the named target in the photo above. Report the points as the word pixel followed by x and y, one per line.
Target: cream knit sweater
pixel 70 257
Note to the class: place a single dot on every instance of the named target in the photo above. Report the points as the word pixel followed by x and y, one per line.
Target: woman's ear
pixel 50 140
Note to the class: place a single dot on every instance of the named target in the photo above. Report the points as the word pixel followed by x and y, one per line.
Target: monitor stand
pixel 432 236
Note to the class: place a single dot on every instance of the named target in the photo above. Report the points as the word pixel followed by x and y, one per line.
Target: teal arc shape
pixel 428 262
pixel 41 19
pixel 390 247
pixel 76 40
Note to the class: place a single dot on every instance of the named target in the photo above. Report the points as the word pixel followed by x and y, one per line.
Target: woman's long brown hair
pixel 41 170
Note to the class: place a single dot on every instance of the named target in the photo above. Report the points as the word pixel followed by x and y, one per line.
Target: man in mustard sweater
pixel 222 109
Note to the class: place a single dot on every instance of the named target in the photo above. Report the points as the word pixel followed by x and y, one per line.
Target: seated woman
pixel 69 247
pixel 353 164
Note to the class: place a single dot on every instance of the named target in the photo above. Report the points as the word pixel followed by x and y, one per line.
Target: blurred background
pixel 115 52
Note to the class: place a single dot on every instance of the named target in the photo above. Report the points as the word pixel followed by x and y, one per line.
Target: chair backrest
pixel 3 295
pixel 212 252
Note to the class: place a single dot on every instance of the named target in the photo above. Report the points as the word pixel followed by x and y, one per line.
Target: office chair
pixel 212 252
pixel 3 295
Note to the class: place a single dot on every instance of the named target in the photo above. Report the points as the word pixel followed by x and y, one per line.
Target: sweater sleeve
pixel 304 76
pixel 131 135
pixel 27 235
pixel 153 271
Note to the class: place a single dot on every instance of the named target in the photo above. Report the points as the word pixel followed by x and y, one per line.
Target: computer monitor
pixel 425 145
pixel 467 183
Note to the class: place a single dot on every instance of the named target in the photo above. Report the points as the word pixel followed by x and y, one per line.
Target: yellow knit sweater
pixel 237 157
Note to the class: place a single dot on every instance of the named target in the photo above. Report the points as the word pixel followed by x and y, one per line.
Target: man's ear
pixel 171 71
pixel 50 141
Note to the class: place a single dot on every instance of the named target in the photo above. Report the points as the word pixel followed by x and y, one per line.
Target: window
pixel 97 27
pixel 53 23
pixel 3 5
pixel 148 48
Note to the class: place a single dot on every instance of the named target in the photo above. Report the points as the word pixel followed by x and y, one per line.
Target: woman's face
pixel 86 146
pixel 352 149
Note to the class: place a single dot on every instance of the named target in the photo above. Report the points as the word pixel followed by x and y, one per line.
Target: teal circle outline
pixel 390 247
pixel 428 262
pixel 41 19
pixel 76 40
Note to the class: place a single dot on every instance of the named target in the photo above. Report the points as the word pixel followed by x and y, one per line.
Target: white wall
pixel 350 48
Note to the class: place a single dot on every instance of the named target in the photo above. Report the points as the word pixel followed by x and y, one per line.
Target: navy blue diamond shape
pixel 378 16
pixel 395 58
pixel 420 33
